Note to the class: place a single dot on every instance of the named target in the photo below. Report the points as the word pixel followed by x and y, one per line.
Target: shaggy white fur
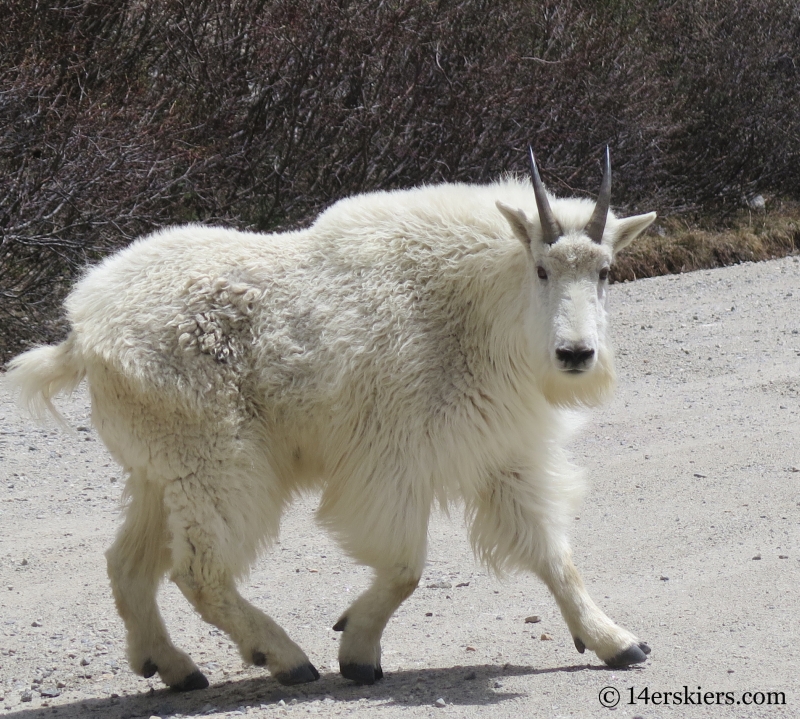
pixel 409 347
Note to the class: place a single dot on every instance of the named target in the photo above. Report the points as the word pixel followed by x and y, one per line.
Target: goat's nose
pixel 574 357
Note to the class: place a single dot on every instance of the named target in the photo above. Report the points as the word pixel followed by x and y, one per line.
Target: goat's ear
pixel 629 228
pixel 518 220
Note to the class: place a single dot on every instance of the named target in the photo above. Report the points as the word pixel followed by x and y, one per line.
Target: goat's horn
pixel 551 230
pixel 597 223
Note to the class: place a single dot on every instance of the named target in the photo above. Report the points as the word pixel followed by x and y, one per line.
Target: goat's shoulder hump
pixel 448 203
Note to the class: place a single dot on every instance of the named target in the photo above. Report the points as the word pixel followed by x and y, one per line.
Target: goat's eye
pixel 541 272
pixel 604 274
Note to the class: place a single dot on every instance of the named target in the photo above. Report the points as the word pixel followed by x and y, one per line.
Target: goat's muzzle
pixel 577 358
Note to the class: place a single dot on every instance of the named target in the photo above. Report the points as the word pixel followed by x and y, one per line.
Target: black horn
pixel 597 223
pixel 551 230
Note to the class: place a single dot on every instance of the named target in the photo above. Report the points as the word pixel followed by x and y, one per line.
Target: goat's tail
pixel 46 371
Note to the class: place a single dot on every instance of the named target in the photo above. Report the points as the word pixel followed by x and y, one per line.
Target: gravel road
pixel 689 536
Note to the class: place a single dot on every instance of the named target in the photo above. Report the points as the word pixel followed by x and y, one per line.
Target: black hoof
pixel 361 673
pixel 632 655
pixel 195 680
pixel 299 675
pixel 579 645
pixel 149 669
pixel 340 625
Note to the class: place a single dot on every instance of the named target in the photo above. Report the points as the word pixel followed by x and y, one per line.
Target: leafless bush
pixel 117 117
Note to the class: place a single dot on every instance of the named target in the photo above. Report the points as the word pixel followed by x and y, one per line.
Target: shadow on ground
pixel 461 685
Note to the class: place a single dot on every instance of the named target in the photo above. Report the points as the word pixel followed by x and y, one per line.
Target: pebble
pixel 85 662
pixel 439 585
pixel 440 703
pixel 533 619
pixel 26 696
pixel 758 556
pixel 546 638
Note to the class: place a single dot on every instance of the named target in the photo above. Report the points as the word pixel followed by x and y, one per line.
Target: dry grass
pixel 673 246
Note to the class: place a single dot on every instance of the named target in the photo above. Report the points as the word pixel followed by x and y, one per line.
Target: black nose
pixel 573 358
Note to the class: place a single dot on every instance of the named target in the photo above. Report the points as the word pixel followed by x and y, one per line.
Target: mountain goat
pixel 410 347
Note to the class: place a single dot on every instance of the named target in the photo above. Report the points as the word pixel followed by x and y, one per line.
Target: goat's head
pixel 571 245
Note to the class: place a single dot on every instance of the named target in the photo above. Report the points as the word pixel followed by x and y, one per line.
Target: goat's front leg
pixel 519 520
pixel 590 627
pixel 363 623
pixel 387 531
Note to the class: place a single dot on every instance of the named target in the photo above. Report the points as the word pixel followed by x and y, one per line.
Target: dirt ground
pixel 689 537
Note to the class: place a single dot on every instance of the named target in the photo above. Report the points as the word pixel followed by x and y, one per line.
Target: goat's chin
pixel 588 388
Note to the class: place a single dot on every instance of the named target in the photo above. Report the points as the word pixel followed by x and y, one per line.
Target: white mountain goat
pixel 410 347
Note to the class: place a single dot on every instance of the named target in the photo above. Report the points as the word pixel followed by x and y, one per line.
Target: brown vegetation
pixel 117 117
pixel 677 245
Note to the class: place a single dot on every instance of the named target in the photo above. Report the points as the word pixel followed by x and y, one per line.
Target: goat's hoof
pixel 303 674
pixel 579 645
pixel 340 625
pixel 149 669
pixel 634 654
pixel 196 680
pixel 361 673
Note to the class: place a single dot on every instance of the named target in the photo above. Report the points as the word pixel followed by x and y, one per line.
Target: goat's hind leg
pixel 137 561
pixel 206 554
